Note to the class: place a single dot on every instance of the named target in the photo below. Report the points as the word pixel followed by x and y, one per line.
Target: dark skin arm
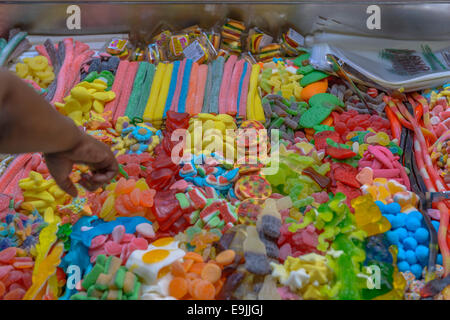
pixel 28 123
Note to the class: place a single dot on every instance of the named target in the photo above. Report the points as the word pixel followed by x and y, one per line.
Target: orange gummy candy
pixel 178 287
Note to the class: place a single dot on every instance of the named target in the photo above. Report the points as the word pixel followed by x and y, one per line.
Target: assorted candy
pixel 244 173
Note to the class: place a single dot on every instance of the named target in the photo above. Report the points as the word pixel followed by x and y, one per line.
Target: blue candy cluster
pixel 409 233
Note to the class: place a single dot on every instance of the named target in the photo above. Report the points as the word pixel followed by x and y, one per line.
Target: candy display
pixel 245 172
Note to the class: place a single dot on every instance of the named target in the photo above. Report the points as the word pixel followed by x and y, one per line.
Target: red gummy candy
pixel 165 205
pixel 347 177
pixel 339 153
pixel 320 138
pixel 133 169
pixel 7 255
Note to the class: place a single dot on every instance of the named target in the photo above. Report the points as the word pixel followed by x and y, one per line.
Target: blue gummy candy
pixel 402 234
pixel 416 214
pixel 392 237
pixel 410 243
pixel 399 220
pixel 392 208
pixel 412 223
pixel 411 257
pixel 439 259
pixel 421 235
pixel 435 224
pixel 390 217
pixel 416 270
pixel 382 206
pixel 401 255
pixel 403 266
pixel 422 253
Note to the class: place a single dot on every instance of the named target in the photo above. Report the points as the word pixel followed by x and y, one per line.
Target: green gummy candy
pixel 213 222
pixel 192 231
pixel 299 60
pixel 217 230
pixel 290 220
pixel 79 296
pixel 325 100
pixel 305 69
pixel 100 286
pixel 107 264
pixel 101 259
pixel 120 277
pixel 312 77
pixel 90 279
pixel 135 294
pixel 105 295
pixel 322 127
pixel 183 200
pixel 194 216
pixel 199 224
pixel 314 116
pixel 91 76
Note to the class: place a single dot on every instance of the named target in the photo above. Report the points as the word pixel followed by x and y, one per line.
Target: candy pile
pixel 244 173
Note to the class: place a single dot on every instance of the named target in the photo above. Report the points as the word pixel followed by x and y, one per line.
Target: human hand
pixel 89 151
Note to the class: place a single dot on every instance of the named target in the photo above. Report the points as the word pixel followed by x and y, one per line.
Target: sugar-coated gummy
pixel 403 266
pixel 392 237
pixel 401 255
pixel 421 235
pixel 416 270
pixel 402 234
pixel 390 217
pixel 410 243
pixel 399 221
pixel 422 252
pixel 416 214
pixel 392 208
pixel 412 223
pixel 411 257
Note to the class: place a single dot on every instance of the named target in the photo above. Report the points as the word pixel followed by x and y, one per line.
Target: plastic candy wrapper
pixel 292 42
pixel 214 37
pixel 257 40
pixel 154 53
pixel 232 34
pixel 200 49
pixel 118 47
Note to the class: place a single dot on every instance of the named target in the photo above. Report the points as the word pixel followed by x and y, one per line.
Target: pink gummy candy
pixel 118 233
pixel 113 248
pixel 98 241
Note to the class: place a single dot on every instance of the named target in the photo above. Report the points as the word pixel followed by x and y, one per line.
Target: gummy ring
pixel 38 63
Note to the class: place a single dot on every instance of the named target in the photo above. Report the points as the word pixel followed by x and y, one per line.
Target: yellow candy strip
pixel 154 93
pixel 252 91
pixel 159 110
pixel 258 111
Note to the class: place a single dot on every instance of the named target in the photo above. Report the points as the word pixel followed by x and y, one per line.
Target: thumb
pixel 60 169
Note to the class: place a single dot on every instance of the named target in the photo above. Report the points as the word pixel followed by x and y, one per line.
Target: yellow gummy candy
pixel 22 70
pixel 80 93
pixel 98 106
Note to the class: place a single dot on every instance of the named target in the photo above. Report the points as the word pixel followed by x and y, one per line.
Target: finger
pixel 60 168
pixel 87 182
